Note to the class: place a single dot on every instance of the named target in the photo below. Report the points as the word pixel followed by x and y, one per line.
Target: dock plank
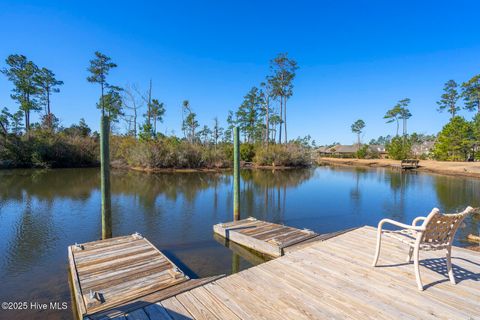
pixel 161 295
pixel 334 279
pixel 105 279
pixel 195 307
pixel 213 304
pixel 265 237
pixel 176 310
pixel 328 279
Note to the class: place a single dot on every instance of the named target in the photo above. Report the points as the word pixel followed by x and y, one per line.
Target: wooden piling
pixel 235 263
pixel 105 178
pixel 236 174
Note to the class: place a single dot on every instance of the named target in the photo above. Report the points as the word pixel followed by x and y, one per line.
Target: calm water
pixel 42 212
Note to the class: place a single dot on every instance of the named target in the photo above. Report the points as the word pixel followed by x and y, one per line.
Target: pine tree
pixel 99 69
pixel 449 98
pixel 357 128
pixel 250 115
pixel 48 84
pixel 22 73
pixel 471 94
pixel 111 104
pixel 283 72
pixel 455 141
pixel 157 111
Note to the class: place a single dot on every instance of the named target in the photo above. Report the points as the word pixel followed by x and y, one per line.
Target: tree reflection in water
pixel 44 211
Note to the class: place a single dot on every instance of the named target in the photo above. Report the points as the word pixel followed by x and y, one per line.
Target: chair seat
pixel 409 236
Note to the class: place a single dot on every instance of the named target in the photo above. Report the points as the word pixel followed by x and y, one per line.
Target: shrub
pixel 43 148
pixel 455 141
pixel 174 153
pixel 290 155
pixel 399 148
pixel 247 152
pixel 362 152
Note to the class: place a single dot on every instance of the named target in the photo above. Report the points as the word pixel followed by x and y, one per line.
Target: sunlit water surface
pixel 42 212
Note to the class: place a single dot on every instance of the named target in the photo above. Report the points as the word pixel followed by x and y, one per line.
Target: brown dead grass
pixel 468 169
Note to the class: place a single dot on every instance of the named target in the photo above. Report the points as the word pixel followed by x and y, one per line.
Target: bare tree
pixel 132 101
pixel 267 92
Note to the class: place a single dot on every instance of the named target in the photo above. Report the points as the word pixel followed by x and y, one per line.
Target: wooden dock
pixel 334 279
pixel 113 276
pixel 265 237
pixel 409 164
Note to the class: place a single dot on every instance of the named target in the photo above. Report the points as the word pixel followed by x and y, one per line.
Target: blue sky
pixel 356 58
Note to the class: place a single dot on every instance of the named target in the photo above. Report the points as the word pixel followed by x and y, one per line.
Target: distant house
pixel 323 150
pixel 378 149
pixel 350 151
pixel 422 149
pixel 344 150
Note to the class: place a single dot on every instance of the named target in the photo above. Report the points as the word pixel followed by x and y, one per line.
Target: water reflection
pixel 44 211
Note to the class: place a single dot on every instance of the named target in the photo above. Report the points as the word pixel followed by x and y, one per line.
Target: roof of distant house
pixel 350 148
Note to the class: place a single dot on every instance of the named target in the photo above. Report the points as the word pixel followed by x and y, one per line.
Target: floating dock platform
pixel 268 238
pixel 113 276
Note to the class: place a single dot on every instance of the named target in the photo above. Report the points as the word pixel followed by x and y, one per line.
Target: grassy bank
pixel 465 169
pixel 174 153
pixel 44 149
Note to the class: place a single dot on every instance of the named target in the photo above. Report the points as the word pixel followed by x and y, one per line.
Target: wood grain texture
pixel 120 271
pixel 329 279
pixel 77 294
pixel 334 279
pixel 265 237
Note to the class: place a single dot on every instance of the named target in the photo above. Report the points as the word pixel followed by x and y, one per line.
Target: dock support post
pixel 236 174
pixel 235 263
pixel 105 178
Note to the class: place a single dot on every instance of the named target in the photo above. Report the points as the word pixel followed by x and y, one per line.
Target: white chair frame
pixel 435 233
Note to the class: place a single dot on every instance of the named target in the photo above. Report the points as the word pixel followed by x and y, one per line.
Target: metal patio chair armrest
pixel 399 224
pixel 418 219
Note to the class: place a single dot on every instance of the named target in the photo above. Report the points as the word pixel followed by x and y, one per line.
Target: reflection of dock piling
pixel 252 256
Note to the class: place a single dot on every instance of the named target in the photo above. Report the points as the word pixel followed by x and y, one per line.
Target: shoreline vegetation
pixel 135 117
pixel 67 149
pixel 464 169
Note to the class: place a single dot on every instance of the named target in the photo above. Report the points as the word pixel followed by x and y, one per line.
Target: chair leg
pixel 377 250
pixel 417 268
pixel 410 253
pixel 449 265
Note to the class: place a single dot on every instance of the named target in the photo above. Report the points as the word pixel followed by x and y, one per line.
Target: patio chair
pixel 435 233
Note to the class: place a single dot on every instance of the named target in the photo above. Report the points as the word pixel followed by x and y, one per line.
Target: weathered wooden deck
pixel 409 164
pixel 265 237
pixel 114 276
pixel 334 279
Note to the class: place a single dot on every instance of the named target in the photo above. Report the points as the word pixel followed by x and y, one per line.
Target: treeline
pixel 261 118
pixel 459 139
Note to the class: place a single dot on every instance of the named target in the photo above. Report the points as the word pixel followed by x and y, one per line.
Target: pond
pixel 42 212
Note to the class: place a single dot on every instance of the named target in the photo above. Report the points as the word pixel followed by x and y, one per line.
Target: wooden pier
pixel 409 164
pixel 332 279
pixel 268 238
pixel 114 276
